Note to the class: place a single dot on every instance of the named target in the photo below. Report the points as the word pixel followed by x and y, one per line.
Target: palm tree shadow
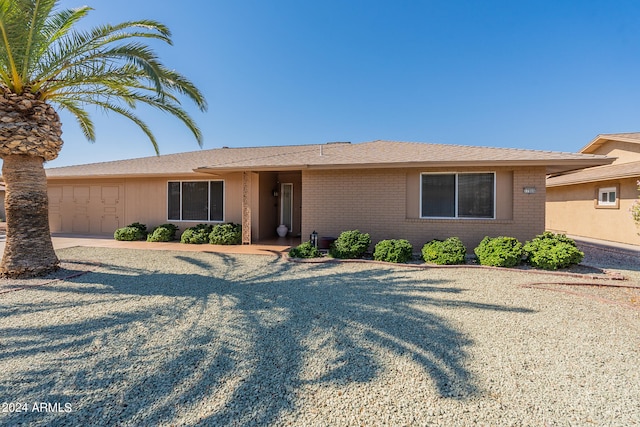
pixel 252 332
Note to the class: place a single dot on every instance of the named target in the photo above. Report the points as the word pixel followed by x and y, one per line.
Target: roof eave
pixel 599 141
pixel 121 176
pixel 595 179
pixel 552 166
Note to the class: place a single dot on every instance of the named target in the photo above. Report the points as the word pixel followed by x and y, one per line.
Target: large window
pixel 195 201
pixel 458 195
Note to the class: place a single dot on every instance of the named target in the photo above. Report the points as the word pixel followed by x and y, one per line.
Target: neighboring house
pixel 595 202
pixel 389 189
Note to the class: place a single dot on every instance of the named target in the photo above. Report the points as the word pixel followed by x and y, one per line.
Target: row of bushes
pixel 220 234
pixel 547 251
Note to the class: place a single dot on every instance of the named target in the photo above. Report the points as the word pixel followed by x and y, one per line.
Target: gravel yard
pixel 190 338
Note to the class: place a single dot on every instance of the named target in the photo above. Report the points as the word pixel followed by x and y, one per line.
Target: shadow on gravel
pixel 231 343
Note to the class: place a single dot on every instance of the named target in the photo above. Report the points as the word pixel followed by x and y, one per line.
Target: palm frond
pixel 129 115
pixel 61 22
pixel 179 83
pixel 96 45
pixel 81 116
pixel 37 13
pixel 110 66
pixel 8 31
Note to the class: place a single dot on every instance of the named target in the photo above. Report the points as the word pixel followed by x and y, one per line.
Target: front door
pixel 286 205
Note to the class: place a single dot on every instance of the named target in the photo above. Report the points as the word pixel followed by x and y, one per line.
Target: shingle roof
pixel 375 154
pixel 594 174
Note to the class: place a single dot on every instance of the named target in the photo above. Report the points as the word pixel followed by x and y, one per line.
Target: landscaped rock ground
pixel 186 338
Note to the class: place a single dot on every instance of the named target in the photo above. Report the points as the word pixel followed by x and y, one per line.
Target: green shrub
pixel 141 227
pixel 305 250
pixel 393 251
pixel 350 244
pixel 552 251
pixel 163 233
pixel 444 252
pixel 226 234
pixel 197 234
pixel 128 234
pixel 499 251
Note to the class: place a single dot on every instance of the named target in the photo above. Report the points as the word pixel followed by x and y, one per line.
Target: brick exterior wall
pixel 378 202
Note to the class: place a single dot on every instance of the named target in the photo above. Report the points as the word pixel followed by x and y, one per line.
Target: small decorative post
pixel 314 239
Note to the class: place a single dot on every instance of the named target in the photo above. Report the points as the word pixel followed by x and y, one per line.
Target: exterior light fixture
pixel 275 193
pixel 313 238
pixel 529 190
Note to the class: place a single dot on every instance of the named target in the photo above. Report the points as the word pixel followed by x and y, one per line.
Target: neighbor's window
pixel 458 195
pixel 195 201
pixel 607 196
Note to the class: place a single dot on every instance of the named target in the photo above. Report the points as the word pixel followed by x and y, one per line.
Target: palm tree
pixel 46 62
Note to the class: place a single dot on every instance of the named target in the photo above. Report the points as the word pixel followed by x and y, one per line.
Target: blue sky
pixel 546 75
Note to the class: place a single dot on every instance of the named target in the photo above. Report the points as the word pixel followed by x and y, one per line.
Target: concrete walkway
pixel 61 241
pixel 633 250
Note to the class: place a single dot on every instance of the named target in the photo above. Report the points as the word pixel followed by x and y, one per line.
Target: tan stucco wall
pixel 385 204
pixel 572 209
pixel 140 200
pixel 624 151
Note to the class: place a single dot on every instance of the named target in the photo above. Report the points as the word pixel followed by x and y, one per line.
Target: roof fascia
pixel 591 180
pixel 557 166
pixel 125 176
pixel 593 144
pixel 600 140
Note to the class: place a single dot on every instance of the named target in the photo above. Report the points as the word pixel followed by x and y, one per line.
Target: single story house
pixel 596 202
pixel 391 190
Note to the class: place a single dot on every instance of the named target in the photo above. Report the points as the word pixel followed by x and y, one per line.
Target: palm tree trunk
pixel 28 250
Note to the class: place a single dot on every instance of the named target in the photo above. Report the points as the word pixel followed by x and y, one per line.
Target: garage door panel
pixel 81 194
pixel 110 195
pixel 81 224
pixel 109 223
pixel 86 209
pixel 55 208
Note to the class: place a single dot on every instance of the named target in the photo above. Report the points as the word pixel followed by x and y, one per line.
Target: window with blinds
pixel 195 201
pixel 458 195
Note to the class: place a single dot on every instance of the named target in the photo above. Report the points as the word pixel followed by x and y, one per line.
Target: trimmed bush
pixel 131 232
pixel 163 233
pixel 141 227
pixel 226 234
pixel 444 252
pixel 393 251
pixel 305 250
pixel 350 244
pixel 128 234
pixel 499 251
pixel 197 234
pixel 552 251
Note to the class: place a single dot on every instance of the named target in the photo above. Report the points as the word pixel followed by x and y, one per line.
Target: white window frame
pixel 209 181
pixel 608 191
pixel 456 174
